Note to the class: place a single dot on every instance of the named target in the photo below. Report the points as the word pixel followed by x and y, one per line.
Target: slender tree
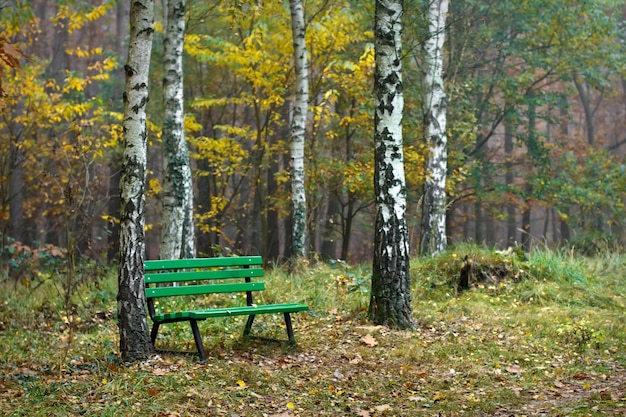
pixel 434 203
pixel 390 302
pixel 298 128
pixel 135 341
pixel 177 233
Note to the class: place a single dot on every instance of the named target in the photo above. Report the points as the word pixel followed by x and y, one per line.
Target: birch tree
pixel 135 341
pixel 298 128
pixel 177 232
pixel 390 302
pixel 433 238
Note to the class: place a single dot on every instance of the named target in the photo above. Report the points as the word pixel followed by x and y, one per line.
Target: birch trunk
pixel 434 202
pixel 135 341
pixel 177 232
pixel 390 302
pixel 298 128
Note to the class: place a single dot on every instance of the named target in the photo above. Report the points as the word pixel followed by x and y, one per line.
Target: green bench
pixel 200 277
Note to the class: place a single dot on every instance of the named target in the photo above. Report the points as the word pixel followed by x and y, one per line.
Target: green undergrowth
pixel 537 334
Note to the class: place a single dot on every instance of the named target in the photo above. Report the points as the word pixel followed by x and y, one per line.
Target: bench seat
pixel 230 311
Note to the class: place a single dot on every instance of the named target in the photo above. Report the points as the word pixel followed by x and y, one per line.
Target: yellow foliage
pixel 154 187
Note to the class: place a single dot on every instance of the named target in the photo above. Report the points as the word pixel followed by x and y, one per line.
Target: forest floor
pixel 508 349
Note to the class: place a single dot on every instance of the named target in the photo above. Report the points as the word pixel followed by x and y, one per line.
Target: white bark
pixel 135 341
pixel 434 98
pixel 298 128
pixel 390 302
pixel 177 232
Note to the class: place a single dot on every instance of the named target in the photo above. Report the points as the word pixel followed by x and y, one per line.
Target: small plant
pixel 580 335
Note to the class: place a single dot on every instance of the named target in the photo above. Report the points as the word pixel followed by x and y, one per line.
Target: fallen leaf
pixel 255 395
pixel 363 413
pixel 417 398
pixel 338 375
pixel 159 371
pixel 369 340
pixel 242 383
pixel 382 408
pixel 514 369
pixel 422 374
pixel 438 396
pixel 291 405
pixel 579 376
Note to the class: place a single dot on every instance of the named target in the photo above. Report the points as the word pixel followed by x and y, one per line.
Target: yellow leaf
pixel 242 383
pixel 291 405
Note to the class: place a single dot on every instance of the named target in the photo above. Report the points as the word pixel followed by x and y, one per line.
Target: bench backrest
pixel 200 276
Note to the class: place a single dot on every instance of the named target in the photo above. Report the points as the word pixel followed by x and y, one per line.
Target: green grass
pixel 537 336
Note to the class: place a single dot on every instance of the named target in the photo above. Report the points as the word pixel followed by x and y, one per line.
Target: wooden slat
pixel 203 275
pixel 224 261
pixel 247 310
pixel 203 289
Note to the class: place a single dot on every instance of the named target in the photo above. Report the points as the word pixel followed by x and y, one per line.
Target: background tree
pixel 390 302
pixel 135 343
pixel 177 230
pixel 298 127
pixel 433 231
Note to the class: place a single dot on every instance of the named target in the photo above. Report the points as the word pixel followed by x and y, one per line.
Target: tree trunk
pixel 585 100
pixel 511 225
pixel 16 183
pixel 135 341
pixel 390 302
pixel 177 232
pixel 121 31
pixel 298 128
pixel 526 218
pixel 331 225
pixel 479 235
pixel 434 97
pixel 564 228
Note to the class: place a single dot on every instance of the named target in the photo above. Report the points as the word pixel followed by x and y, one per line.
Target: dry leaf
pixel 369 340
pixel 159 371
pixel 514 369
pixel 382 408
pixel 255 395
pixel 417 398
pixel 363 413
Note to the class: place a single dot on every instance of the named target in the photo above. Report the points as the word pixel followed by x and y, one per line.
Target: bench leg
pixel 198 338
pixel 154 332
pixel 292 339
pixel 246 330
